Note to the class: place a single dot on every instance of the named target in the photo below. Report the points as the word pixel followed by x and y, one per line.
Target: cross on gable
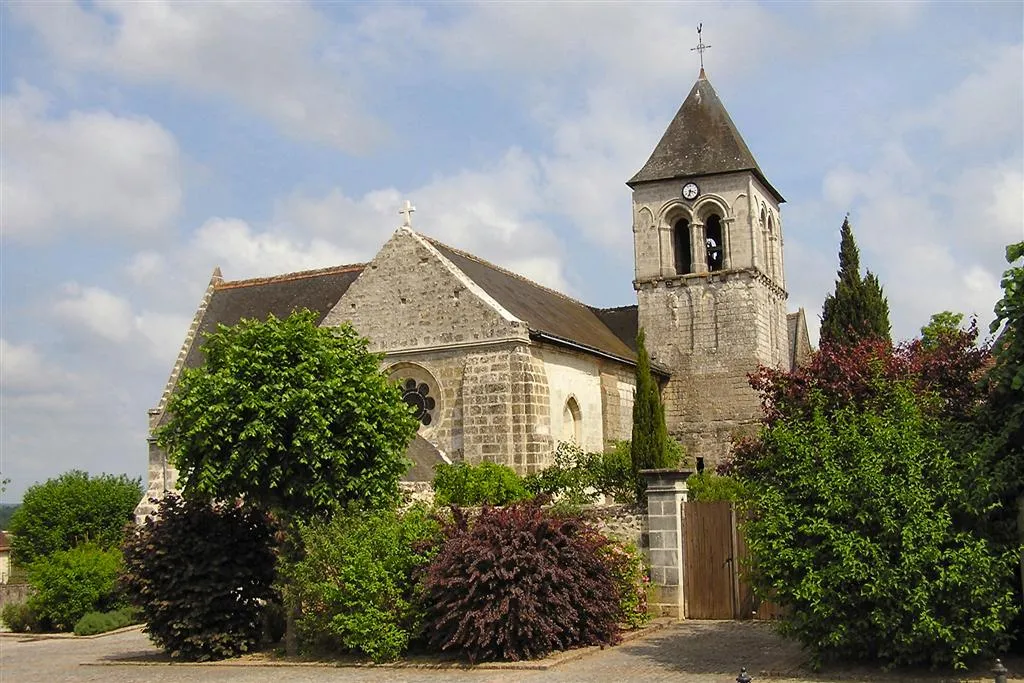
pixel 406 212
pixel 700 46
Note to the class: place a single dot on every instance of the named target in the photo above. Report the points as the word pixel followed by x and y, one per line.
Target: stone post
pixel 666 493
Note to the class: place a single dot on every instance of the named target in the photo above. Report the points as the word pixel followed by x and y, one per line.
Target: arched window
pixel 714 243
pixel 681 246
pixel 771 246
pixel 572 422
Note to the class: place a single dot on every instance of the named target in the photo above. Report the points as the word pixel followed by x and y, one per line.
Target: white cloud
pixel 491 212
pixel 932 213
pixel 268 57
pixel 92 170
pixel 985 108
pixel 24 369
pixel 111 320
pixel 637 46
pixel 243 252
pixel 97 310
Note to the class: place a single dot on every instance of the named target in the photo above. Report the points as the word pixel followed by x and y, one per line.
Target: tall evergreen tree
pixel 649 448
pixel 858 308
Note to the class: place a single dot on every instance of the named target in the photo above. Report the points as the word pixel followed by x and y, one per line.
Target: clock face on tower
pixel 690 191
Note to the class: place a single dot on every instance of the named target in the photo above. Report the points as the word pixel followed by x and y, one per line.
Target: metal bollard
pixel 1000 671
pixel 744 677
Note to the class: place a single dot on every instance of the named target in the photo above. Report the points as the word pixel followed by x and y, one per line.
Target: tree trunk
pixel 291 638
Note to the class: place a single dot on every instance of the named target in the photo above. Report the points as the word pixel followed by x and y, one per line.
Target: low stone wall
pixel 416 492
pixel 14 593
pixel 621 522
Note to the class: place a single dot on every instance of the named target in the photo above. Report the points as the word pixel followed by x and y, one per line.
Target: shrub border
pixel 416 662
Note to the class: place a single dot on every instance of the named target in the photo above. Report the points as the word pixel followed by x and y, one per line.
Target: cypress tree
pixel 857 309
pixel 649 447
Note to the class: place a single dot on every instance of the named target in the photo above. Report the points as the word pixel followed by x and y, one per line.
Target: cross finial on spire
pixel 700 48
pixel 406 211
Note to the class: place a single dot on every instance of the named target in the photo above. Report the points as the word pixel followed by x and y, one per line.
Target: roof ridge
pixel 285 277
pixel 506 271
pixel 614 308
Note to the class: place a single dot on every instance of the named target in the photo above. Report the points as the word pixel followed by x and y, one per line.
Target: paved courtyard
pixel 686 653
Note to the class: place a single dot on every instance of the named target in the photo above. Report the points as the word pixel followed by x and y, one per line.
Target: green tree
pixel 857 309
pixel 73 508
pixel 6 512
pixel 860 527
pixel 68 584
pixel 941 326
pixel 293 418
pixel 1003 415
pixel 649 449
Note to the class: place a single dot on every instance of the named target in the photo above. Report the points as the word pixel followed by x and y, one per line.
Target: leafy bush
pixel 616 478
pixel 576 476
pixel 483 484
pixel 709 487
pixel 632 582
pixel 357 582
pixel 72 509
pixel 19 617
pixel 519 583
pixel 100 622
pixel 200 575
pixel 860 530
pixel 69 583
pixel 572 477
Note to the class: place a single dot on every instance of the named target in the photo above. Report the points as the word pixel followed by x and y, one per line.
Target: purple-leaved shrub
pixel 519 583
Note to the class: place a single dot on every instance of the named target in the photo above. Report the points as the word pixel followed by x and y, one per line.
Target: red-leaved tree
pixel 943 375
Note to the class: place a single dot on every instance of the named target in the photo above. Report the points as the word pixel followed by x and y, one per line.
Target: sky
pixel 144 143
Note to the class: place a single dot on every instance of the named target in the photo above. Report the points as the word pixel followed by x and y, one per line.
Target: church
pixel 498 368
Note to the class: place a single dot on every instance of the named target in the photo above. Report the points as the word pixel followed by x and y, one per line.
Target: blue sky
pixel 144 143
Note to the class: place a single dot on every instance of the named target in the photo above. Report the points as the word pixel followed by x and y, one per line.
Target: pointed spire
pixel 700 140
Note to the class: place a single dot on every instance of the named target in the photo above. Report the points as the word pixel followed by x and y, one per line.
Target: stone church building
pixel 500 368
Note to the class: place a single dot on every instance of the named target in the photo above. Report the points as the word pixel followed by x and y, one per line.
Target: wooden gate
pixel 709 555
pixel 714 559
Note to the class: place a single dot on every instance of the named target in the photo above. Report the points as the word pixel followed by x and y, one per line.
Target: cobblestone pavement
pixel 688 652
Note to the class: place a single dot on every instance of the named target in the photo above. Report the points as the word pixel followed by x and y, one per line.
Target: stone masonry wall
pixel 711 330
pixel 410 297
pixel 618 385
pixel 162 477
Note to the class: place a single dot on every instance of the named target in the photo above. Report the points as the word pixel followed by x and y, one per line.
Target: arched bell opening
pixel 714 244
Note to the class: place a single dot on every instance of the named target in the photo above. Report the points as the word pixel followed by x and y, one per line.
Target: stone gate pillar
pixel 666 493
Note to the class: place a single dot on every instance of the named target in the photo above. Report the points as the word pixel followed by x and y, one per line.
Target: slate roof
pixel 544 310
pixel 700 140
pixel 799 341
pixel 317 290
pixel 622 321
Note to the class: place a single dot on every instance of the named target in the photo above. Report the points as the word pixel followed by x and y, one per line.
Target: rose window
pixel 417 395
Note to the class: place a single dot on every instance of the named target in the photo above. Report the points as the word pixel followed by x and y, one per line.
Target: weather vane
pixel 700 46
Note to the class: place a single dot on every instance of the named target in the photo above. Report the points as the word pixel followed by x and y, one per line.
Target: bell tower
pixel 711 290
